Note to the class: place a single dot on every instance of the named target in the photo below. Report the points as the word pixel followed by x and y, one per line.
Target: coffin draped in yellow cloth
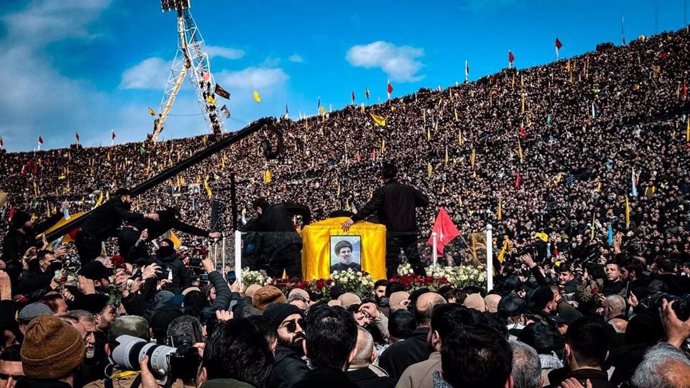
pixel 369 242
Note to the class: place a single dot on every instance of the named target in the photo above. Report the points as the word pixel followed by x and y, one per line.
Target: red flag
pixel 445 230
pixel 523 133
pixel 511 57
pixel 358 156
pixel 558 44
pixel 205 75
pixel 518 180
pixel 390 88
pixel 24 169
pixel 40 140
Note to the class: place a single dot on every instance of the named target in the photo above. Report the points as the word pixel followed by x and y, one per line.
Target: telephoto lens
pixel 131 350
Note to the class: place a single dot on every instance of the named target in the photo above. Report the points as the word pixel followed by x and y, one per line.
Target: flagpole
pixel 434 245
pixel 238 255
pixel 489 259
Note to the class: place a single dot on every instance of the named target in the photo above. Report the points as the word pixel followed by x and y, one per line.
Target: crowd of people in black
pixel 581 166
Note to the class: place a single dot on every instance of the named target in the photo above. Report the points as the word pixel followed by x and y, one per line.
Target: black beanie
pixel 275 313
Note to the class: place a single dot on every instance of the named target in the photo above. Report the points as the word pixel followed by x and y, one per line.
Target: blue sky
pixel 96 65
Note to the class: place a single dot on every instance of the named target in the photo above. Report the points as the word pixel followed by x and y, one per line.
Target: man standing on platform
pixel 280 244
pixel 395 204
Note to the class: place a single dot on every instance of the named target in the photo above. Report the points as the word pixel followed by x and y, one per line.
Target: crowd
pixel 581 166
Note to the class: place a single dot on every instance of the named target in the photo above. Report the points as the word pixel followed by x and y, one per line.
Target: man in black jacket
pixel 104 221
pixel 169 218
pixel 286 321
pixel 172 267
pixel 397 357
pixel 20 237
pixel 279 243
pixel 395 205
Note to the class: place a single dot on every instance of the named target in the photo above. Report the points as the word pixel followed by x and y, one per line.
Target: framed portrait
pixel 345 253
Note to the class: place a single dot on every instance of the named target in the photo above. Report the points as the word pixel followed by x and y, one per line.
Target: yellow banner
pixel 368 241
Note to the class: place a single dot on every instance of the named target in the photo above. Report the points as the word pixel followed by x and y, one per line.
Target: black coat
pixel 16 243
pixel 105 219
pixel 288 368
pixel 366 378
pixel 277 221
pixel 325 378
pixel 395 205
pixel 402 354
pixel 180 275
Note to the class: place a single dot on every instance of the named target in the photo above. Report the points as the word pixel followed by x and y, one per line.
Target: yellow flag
pixel 208 188
pixel 523 104
pixel 429 169
pixel 502 253
pixel 100 199
pixel 383 146
pixel 460 138
pixel 35 188
pixel 428 134
pixel 211 100
pixel 445 160
pixel 322 110
pixel 687 132
pixel 152 112
pixel 456 115
pixel 378 120
pixel 599 187
pixel 542 236
pixel 627 212
pixel 267 176
pixel 499 213
pixel 519 150
pixel 361 108
pixel 473 157
pixel 175 240
pixel 257 97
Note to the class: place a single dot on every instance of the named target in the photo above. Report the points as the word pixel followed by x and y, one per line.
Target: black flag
pixel 222 92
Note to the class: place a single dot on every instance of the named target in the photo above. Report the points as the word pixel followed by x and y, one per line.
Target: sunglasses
pixel 291 325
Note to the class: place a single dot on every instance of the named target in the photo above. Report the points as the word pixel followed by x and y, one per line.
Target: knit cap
pixel 52 349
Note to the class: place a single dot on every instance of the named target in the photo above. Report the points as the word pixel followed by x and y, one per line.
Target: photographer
pixel 117 377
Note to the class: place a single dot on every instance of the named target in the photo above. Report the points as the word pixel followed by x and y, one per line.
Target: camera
pixel 164 361
pixel 681 304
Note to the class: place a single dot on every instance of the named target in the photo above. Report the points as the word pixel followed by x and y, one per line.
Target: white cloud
pixel 151 73
pixel 253 78
pixel 46 21
pixel 40 99
pixel 398 62
pixel 224 52
pixel 296 58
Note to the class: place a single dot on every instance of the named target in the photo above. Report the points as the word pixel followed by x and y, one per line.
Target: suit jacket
pixel 421 374
pixel 402 354
pixel 366 378
pixel 325 377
